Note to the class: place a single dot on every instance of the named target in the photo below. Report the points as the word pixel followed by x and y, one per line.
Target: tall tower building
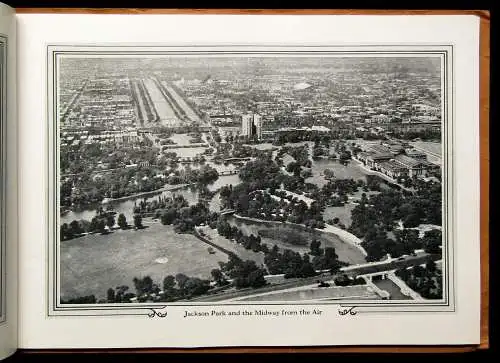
pixel 251 125
pixel 246 125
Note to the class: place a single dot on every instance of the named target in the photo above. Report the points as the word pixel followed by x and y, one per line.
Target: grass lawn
pixel 351 171
pixel 342 213
pixel 263 146
pixel 94 263
pixel 243 253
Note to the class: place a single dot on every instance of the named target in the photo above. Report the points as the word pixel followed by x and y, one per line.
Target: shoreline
pixel 342 235
pixel 141 194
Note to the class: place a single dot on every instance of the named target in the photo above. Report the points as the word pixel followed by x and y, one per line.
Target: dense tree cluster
pixel 335 192
pixel 90 299
pixel 145 206
pixel 102 222
pixel 129 169
pixel 377 244
pixel 427 281
pixel 203 175
pixel 263 205
pixel 294 136
pixel 186 218
pixel 261 174
pixel 321 150
pixel 368 135
pixel 244 273
pixel 428 134
pixel 250 242
pixel 344 280
pixel 299 153
pixel 390 206
pixel 374 216
pixel 290 263
pixel 173 288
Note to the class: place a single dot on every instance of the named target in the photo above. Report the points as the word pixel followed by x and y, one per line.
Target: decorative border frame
pixel 3 177
pixel 54 308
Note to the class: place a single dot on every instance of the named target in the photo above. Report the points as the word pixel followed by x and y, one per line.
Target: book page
pixel 245 180
pixel 8 188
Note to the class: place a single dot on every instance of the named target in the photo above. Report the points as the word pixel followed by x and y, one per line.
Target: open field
pixel 432 147
pixel 94 263
pixel 342 213
pixel 163 108
pixel 263 146
pixel 351 171
pixel 238 249
pixel 182 103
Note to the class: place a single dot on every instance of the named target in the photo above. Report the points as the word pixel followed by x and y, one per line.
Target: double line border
pixel 405 50
pixel 3 176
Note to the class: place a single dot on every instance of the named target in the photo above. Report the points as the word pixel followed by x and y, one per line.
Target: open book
pixel 187 180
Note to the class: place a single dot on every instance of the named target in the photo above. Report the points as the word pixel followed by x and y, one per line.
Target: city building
pixel 251 125
pixel 393 169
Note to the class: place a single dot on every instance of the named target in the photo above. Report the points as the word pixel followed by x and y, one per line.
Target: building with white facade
pixel 251 125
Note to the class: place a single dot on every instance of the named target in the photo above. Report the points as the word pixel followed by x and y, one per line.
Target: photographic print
pixel 240 177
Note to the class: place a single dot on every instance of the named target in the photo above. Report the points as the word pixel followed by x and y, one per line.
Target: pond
pixel 126 206
pixel 391 288
pixel 180 139
pixel 187 152
pixel 297 238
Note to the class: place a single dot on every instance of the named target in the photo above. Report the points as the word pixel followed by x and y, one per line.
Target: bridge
pixel 382 267
pixel 226 212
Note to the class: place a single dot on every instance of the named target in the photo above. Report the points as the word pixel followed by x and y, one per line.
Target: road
pixel 392 264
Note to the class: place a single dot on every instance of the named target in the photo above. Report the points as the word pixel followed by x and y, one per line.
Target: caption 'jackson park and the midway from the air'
pixel 250 179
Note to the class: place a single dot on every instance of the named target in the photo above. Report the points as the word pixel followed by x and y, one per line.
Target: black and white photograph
pixel 239 177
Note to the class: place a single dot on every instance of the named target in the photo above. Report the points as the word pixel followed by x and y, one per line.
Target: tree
pixel 412 220
pixel 294 167
pixel 431 266
pixel 122 221
pixel 110 221
pixel 218 277
pixel 75 228
pixel 408 238
pixel 256 278
pixel 181 280
pixel 143 286
pixel 169 216
pixel 195 286
pixel 433 241
pixel 138 221
pixel 315 248
pixel 101 226
pixel 329 174
pixel 111 295
pixel 168 283
pixel 65 232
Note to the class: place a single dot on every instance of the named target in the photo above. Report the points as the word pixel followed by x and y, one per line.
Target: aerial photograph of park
pixel 249 179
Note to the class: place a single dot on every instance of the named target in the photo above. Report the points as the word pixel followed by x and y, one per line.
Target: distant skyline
pixel 262 65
